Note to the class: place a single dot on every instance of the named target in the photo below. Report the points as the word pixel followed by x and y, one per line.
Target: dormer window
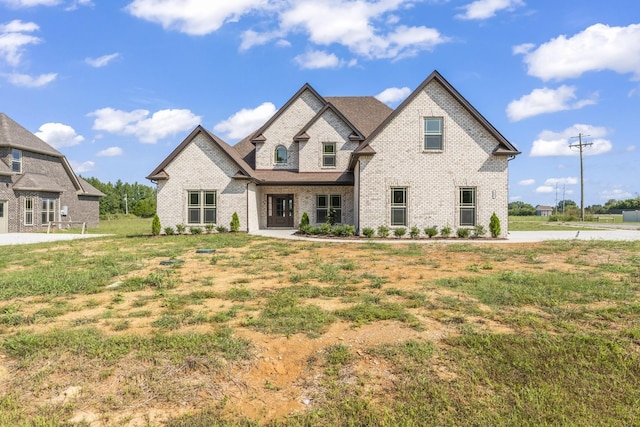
pixel 329 154
pixel 280 155
pixel 16 161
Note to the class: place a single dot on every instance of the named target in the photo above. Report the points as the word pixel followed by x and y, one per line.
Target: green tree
pixel 521 209
pixel 235 222
pixel 155 225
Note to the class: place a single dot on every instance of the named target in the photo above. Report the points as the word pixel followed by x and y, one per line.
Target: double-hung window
pixel 433 133
pixel 201 207
pixel 329 154
pixel 468 206
pixel 16 161
pixel 28 211
pixel 399 206
pixel 48 211
pixel 325 204
pixel 280 155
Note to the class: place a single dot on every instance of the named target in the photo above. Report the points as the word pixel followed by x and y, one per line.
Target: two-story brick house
pixel 434 160
pixel 37 184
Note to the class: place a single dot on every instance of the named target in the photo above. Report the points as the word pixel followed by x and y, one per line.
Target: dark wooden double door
pixel 280 210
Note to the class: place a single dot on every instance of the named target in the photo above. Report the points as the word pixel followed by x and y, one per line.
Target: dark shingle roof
pixel 364 112
pixel 15 136
pixel 36 182
pixel 285 177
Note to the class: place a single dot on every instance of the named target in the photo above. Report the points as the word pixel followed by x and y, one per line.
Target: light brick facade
pixel 473 156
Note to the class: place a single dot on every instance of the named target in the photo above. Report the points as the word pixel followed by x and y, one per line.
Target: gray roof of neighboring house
pixel 36 182
pixel 15 136
pixel 88 189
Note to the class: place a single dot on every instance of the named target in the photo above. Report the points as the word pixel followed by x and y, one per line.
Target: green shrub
pixel 222 229
pixel 383 231
pixel 445 231
pixel 368 232
pixel 169 231
pixel 431 231
pixel 235 223
pixel 181 228
pixel 414 232
pixel 304 221
pixel 463 233
pixel 479 230
pixel 305 228
pixel 155 225
pixel 399 232
pixel 331 216
pixel 209 228
pixel 324 229
pixel 494 225
pixel 344 230
pixel 195 230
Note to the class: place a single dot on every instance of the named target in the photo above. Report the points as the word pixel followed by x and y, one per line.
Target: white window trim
pixel 28 210
pixel 275 155
pixel 424 135
pixel 404 206
pixel 201 206
pixel 47 210
pixel 334 155
pixel 472 206
pixel 16 161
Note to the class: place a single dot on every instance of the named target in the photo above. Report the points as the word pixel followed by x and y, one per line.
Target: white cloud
pixel 159 125
pixel 59 135
pixel 14 38
pixel 544 189
pixel 570 180
pixel 194 17
pixel 484 9
pixel 354 27
pixel 101 61
pixel 393 94
pixel 316 59
pixel 367 29
pixel 546 100
pixel 527 182
pixel 599 47
pixel 551 143
pixel 26 80
pixel 82 167
pixel 616 194
pixel 630 149
pixel 245 121
pixel 110 152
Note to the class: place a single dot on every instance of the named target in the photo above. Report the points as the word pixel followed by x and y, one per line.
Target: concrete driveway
pixel 26 238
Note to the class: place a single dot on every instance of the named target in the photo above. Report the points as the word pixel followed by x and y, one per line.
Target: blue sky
pixel 116 85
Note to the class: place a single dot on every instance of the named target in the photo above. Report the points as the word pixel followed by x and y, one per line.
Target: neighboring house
pixel 434 160
pixel 544 210
pixel 37 184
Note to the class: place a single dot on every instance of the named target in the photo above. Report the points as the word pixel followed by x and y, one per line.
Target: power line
pixel 581 146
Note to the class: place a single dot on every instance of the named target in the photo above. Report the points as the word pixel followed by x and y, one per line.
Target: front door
pixel 4 221
pixel 280 210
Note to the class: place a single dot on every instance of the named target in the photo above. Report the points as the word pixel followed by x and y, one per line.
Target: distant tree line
pixel 122 198
pixel 566 206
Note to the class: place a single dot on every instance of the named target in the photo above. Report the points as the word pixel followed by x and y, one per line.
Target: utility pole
pixel 581 146
pixel 126 204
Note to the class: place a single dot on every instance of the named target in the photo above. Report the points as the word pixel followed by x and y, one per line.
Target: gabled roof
pixel 258 136
pixel 13 135
pixel 244 169
pixel 364 112
pixel 505 148
pixel 356 135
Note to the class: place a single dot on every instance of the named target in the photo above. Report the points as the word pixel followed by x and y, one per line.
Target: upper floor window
pixel 280 155
pixel 328 154
pixel 468 206
pixel 201 207
pixel 433 133
pixel 16 161
pixel 399 206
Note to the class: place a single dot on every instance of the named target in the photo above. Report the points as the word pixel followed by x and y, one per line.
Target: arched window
pixel 280 154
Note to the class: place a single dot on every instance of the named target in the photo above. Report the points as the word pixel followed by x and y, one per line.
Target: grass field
pixel 266 332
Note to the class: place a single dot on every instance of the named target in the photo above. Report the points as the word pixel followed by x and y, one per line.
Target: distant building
pixel 544 210
pixel 37 184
